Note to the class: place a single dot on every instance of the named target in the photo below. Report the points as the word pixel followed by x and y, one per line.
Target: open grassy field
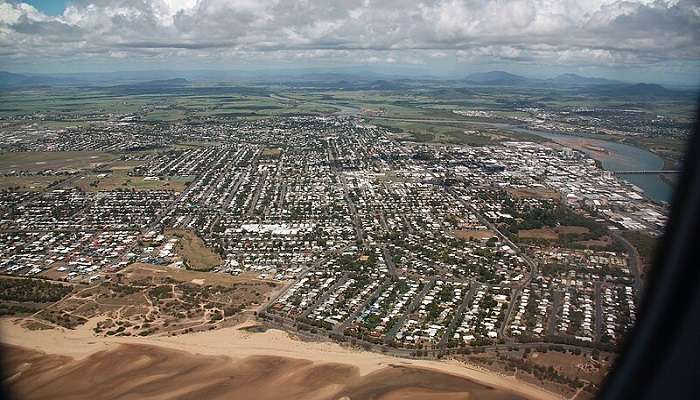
pixel 437 132
pixel 61 107
pixel 645 244
pixel 55 161
pixel 532 193
pixel 66 101
pixel 27 183
pixel 123 167
pixel 271 153
pixel 543 233
pixel 94 183
pixel 192 249
pixel 572 365
pixel 601 242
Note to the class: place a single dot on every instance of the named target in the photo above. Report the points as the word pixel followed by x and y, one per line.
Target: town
pixel 347 200
pixel 401 246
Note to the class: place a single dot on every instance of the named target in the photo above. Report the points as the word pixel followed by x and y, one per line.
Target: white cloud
pixel 561 31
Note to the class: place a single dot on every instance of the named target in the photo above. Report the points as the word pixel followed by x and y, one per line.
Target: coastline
pixel 237 344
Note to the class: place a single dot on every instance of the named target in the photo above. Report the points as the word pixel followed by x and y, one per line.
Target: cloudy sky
pixel 646 40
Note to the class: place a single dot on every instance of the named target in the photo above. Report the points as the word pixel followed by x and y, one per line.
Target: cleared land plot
pixel 55 161
pixel 468 234
pixel 571 230
pixel 603 241
pixel 271 153
pixel 544 233
pixel 195 144
pixel 533 193
pixel 573 366
pixel 138 271
pixel 195 252
pixel 552 233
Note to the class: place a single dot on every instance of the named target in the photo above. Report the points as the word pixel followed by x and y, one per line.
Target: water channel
pixel 621 157
pixel 624 157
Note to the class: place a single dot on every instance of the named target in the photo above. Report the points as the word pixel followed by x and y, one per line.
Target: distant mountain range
pixel 598 86
pixel 8 79
pixel 578 80
pixel 348 79
pixel 498 78
pixel 175 82
pixel 637 90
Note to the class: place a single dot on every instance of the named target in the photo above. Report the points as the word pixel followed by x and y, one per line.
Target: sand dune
pixel 232 364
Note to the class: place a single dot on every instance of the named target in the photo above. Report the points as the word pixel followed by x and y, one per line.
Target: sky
pixel 49 7
pixel 634 40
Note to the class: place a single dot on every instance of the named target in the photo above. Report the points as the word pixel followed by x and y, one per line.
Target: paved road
pixel 256 195
pixel 598 312
pixel 355 217
pixel 391 334
pixel 500 234
pixel 504 238
pixel 557 297
pixel 633 262
pixel 444 341
pixel 389 261
pixel 323 297
pixel 343 325
pixel 302 274
pixel 280 322
pixel 511 306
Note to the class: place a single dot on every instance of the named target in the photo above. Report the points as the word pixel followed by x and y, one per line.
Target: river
pixel 623 157
pixel 619 157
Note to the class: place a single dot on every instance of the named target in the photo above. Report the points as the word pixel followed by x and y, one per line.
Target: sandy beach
pixel 359 374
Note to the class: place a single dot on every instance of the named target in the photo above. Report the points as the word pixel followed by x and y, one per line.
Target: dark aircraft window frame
pixel 661 355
